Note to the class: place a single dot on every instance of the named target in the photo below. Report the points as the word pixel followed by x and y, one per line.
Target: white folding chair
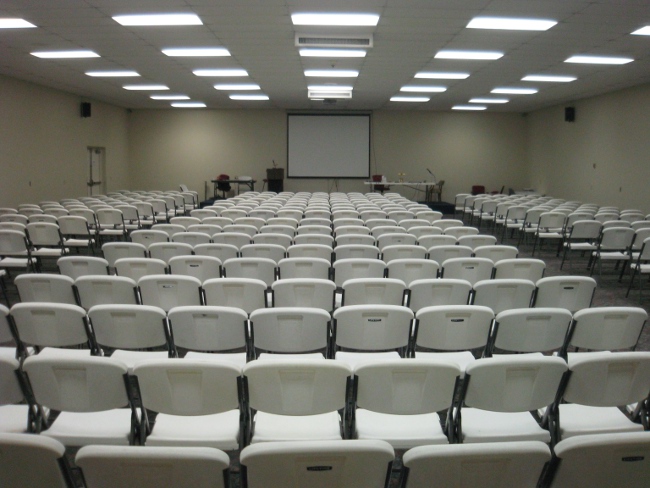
pixel 304 267
pixel 615 244
pixel 520 268
pixel 274 252
pixel 409 270
pixel 503 294
pixel 100 290
pixel 115 250
pixel 271 238
pixel 255 268
pixel 477 240
pixel 201 267
pixel 470 269
pixel 571 292
pixel 167 291
pixel 440 254
pixel 304 292
pixel 167 250
pixel 244 293
pixel 355 251
pixel 345 269
pixel 16 415
pixel 197 403
pixel 237 239
pixel 45 287
pixel 217 250
pixel 427 292
pixel 75 266
pixel 136 268
pixel 296 399
pixel 361 291
pixel 403 251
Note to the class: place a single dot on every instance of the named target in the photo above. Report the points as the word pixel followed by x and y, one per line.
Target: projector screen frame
pixel 367 169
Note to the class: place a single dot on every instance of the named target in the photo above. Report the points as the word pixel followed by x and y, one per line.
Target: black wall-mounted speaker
pixel 569 114
pixel 85 109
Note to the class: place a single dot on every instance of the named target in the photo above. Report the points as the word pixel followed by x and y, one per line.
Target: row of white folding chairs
pixel 597 461
pixel 300 399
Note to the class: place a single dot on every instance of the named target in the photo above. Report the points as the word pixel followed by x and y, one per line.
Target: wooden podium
pixel 275 178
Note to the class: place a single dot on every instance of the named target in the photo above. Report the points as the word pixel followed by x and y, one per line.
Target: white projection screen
pixel 328 146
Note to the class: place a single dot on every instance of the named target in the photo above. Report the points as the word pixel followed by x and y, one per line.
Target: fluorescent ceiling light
pixel 158 19
pixel 109 74
pixel 197 51
pixel 549 78
pixel 188 104
pixel 489 100
pixel 65 54
pixel 477 55
pixel 15 24
pixel 504 23
pixel 423 89
pixel 220 72
pixel 643 31
pixel 333 53
pixel 435 75
pixel 598 60
pixel 329 87
pixel 515 91
pixel 169 97
pixel 409 99
pixel 469 107
pixel 335 19
pixel 146 87
pixel 237 86
pixel 249 97
pixel 332 73
pixel 329 94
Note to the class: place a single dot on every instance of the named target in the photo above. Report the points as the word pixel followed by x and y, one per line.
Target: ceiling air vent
pixel 329 41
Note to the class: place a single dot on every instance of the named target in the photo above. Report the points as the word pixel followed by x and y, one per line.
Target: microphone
pixel 274 165
pixel 429 171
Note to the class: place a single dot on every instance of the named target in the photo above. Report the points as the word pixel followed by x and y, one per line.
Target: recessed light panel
pixel 158 19
pixel 409 99
pixel 316 94
pixel 586 59
pixel 169 97
pixel 15 24
pixel 335 19
pixel 332 73
pixel 423 89
pixel 188 105
pixel 332 53
pixel 643 31
pixel 330 87
pixel 111 74
pixel 146 87
pixel 440 75
pixel 249 97
pixel 474 55
pixel 504 23
pixel 515 91
pixel 237 86
pixel 220 72
pixel 489 100
pixel 65 54
pixel 469 107
pixel 196 51
pixel 549 78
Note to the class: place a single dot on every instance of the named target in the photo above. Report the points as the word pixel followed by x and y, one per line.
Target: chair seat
pixel 581 246
pixel 282 357
pixel 353 358
pixel 48 252
pixel 239 358
pixel 13 418
pixel 584 419
pixel 219 430
pixel 271 427
pixel 78 242
pixel 485 426
pixel 400 431
pixel 111 427
pixel 613 255
pixel 131 357
pixel 14 262
pixel 63 352
pixel 461 358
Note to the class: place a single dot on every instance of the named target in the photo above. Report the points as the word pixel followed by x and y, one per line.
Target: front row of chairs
pixel 598 461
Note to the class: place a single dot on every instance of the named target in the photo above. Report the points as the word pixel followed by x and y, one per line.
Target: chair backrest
pixel 304 292
pixel 208 328
pixel 274 252
pixel 520 268
pixel 616 239
pixel 461 230
pixel 356 251
pixel 167 250
pixel 290 330
pixel 453 327
pixel 496 252
pixel 470 269
pixel 116 250
pixel 403 251
pixel 201 267
pixel 345 269
pixel 571 292
pixel 220 251
pixel 432 240
pixel 44 234
pixel 297 386
pixel 32 460
pixel 185 221
pixel 326 240
pixel 136 268
pixel 245 293
pixel 503 294
pixel 476 240
pixel 530 330
pixel 237 239
pixel 76 266
pixel 394 239
pixel 406 386
pixel 585 230
pixel 608 380
pixel 409 270
pixel 431 291
pixel 332 464
pixel 45 287
pixel 607 328
pixel 440 254
pixel 100 290
pixel 310 251
pixel 147 237
pixel 497 464
pixel 513 382
pixel 372 327
pixel 255 268
pixel 360 291
pixel 603 461
pixel 193 238
pixel 167 291
pixel 129 326
pixel 304 268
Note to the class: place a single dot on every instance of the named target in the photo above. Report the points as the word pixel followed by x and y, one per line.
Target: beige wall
pixel 602 157
pixel 174 146
pixel 44 141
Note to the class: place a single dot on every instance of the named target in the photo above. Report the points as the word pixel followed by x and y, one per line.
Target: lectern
pixel 275 178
